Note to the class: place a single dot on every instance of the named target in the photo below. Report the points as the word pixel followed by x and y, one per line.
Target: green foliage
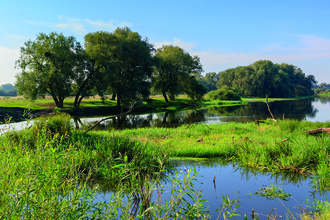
pixel 263 77
pixel 209 81
pixel 58 124
pixel 225 93
pixel 289 125
pixel 125 60
pixel 175 72
pixel 272 192
pixel 48 67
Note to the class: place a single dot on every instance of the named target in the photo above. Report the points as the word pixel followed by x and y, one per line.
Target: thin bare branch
pixel 111 117
pixel 269 109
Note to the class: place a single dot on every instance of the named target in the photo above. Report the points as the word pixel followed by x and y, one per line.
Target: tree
pixel 125 59
pixel 210 80
pixel 48 66
pixel 175 72
pixel 263 77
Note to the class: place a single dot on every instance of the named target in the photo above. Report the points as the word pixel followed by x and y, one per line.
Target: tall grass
pixel 278 147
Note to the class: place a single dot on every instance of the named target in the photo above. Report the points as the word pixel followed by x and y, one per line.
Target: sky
pixel 222 33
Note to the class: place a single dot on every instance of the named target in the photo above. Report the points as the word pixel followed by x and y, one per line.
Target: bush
pixel 225 93
pixel 56 124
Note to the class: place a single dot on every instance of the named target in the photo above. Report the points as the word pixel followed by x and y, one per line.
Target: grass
pixel 276 147
pixel 156 103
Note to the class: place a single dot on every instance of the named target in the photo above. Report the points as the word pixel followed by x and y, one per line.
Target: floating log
pixel 318 130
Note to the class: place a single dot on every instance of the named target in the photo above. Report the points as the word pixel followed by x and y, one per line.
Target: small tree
pixel 173 70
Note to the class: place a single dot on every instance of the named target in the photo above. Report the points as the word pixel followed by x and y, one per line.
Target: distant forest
pixel 262 78
pixel 8 90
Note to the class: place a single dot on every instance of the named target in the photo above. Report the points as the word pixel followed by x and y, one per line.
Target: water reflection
pixel 298 109
pixel 315 109
pixel 219 178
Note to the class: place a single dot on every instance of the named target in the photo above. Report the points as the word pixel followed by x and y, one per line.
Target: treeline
pixel 8 90
pixel 263 78
pixel 121 63
pixel 128 67
pixel 323 88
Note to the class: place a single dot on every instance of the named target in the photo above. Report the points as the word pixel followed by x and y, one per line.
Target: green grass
pixel 262 147
pixel 156 103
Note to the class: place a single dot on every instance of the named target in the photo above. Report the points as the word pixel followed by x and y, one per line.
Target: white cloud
pixel 7 64
pixel 187 46
pixel 71 24
pixel 308 48
pixel 314 43
pixel 110 25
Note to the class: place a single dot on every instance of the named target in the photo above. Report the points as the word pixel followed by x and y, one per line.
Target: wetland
pixel 56 171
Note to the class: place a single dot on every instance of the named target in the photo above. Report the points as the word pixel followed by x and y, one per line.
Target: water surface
pixel 314 109
pixel 237 182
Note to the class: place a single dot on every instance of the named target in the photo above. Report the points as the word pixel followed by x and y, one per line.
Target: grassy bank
pixel 46 169
pixel 276 147
pixel 15 106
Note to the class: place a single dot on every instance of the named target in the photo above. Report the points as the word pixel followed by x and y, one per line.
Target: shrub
pixel 225 93
pixel 56 124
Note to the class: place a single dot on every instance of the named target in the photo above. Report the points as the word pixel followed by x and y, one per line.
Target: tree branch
pixel 269 109
pixel 104 119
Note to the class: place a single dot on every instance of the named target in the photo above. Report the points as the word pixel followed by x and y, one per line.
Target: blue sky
pixel 223 34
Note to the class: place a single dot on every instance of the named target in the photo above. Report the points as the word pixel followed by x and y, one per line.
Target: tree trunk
pixel 60 103
pixel 55 100
pixel 165 97
pixel 172 98
pixel 118 99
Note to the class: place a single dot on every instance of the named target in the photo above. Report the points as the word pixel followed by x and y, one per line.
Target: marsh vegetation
pixel 51 170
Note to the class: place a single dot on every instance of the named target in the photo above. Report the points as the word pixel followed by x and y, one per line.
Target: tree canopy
pixel 48 66
pixel 175 72
pixel 126 60
pixel 263 77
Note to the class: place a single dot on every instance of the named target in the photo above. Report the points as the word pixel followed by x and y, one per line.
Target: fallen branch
pixel 188 125
pixel 111 117
pixel 269 109
pixel 285 140
pixel 259 121
pixel 318 130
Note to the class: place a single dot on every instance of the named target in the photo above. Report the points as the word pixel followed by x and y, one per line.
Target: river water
pixel 242 183
pixel 314 109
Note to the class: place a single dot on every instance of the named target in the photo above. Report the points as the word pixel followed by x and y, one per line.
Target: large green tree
pixel 49 66
pixel 175 72
pixel 125 59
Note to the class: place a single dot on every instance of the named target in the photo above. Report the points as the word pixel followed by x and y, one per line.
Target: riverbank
pixel 19 108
